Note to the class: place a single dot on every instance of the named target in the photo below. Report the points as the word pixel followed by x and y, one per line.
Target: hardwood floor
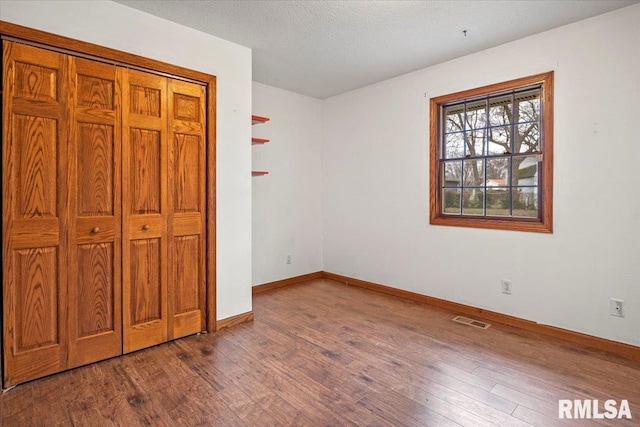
pixel 322 353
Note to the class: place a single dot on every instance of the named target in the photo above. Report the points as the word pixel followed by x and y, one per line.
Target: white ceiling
pixel 323 48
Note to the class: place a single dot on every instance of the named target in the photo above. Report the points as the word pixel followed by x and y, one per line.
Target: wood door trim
pixel 71 46
pixel 210 218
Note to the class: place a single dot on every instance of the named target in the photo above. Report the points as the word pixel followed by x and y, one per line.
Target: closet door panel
pixel 36 299
pixel 95 285
pixel 145 178
pixel 95 328
pixel 145 210
pixel 188 162
pixel 37 142
pixel 96 174
pixel 187 188
pixel 146 299
pixel 188 298
pixel 34 218
pixel 147 325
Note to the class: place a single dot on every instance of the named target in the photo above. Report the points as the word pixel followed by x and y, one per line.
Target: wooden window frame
pixel 544 222
pixel 83 49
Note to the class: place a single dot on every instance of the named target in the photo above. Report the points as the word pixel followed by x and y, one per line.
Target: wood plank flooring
pixel 322 353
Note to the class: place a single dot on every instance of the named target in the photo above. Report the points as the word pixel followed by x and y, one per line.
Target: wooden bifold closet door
pixel 164 208
pixel 94 227
pixel 103 210
pixel 35 212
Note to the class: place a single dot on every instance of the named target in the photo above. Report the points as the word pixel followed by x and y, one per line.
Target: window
pixel 492 156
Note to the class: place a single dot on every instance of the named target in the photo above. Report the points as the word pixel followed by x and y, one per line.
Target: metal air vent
pixel 471 322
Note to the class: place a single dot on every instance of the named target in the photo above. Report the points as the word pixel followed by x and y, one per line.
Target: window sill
pixel 530 225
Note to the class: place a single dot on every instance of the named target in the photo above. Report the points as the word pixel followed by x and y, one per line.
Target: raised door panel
pixel 37 142
pixel 34 188
pixel 36 299
pixel 187 186
pixel 146 313
pixel 95 319
pixel 144 173
pixel 146 299
pixel 96 174
pixel 145 210
pixel 188 161
pixel 95 300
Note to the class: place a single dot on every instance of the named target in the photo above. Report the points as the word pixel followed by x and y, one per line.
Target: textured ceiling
pixel 323 48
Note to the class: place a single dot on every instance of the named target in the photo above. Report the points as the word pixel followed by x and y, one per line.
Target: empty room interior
pixel 306 213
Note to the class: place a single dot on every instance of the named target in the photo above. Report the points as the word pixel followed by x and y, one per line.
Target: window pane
pixel 528 138
pixel 500 111
pixel 454 145
pixel 528 106
pixel 525 202
pixel 499 140
pixel 451 201
pixel 498 202
pixel 498 172
pixel 473 173
pixel 453 118
pixel 475 143
pixel 525 171
pixel 473 201
pixel 477 115
pixel 452 172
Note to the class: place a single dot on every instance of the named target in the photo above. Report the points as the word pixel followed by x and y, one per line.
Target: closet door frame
pixel 79 48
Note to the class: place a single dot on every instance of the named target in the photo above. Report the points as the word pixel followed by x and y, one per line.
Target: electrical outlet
pixel 616 307
pixel 288 258
pixel 506 287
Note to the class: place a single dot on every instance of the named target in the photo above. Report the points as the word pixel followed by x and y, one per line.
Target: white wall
pixel 376 185
pixel 120 27
pixel 287 203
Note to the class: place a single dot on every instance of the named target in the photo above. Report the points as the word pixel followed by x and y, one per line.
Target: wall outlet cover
pixel 616 307
pixel 506 287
